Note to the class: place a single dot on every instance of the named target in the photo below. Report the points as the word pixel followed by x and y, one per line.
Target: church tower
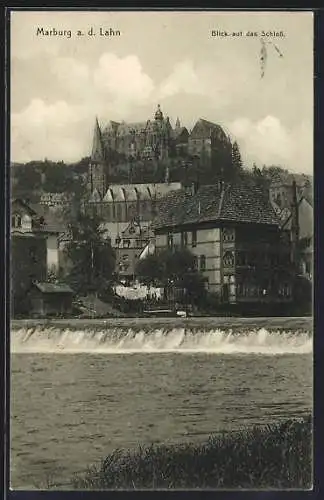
pixel 177 125
pixel 97 174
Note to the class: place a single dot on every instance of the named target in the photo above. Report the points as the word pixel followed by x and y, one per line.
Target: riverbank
pixel 277 456
pixel 296 323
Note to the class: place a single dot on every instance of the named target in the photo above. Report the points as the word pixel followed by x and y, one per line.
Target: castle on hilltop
pixel 150 139
pixel 155 140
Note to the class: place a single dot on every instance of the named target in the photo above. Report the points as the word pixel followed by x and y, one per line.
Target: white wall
pixel 52 252
pixel 208 244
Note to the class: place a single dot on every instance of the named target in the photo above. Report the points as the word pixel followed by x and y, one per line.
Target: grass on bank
pixel 277 456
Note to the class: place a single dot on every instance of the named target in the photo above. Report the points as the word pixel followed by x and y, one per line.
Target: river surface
pixel 79 391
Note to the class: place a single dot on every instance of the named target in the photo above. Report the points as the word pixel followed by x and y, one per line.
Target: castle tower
pixel 177 125
pixel 158 114
pixel 97 175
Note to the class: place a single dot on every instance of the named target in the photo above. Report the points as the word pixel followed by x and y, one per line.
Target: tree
pixel 173 269
pixel 91 255
pixel 236 158
pixel 26 180
pixel 150 270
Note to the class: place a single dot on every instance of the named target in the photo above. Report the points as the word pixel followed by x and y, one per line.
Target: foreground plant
pixel 277 456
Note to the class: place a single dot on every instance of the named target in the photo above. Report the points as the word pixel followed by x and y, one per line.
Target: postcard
pixel 161 235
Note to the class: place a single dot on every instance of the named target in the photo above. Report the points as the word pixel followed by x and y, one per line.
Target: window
pixel 195 262
pixel 203 263
pixel 228 259
pixel 228 234
pixel 119 213
pixel 184 239
pixel 194 238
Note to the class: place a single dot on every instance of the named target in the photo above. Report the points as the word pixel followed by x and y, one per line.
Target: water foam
pixel 182 340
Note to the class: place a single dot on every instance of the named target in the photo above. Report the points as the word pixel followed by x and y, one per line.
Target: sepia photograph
pixel 161 250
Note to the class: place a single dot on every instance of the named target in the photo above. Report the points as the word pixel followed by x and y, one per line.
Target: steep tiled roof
pixel 232 203
pixel 205 129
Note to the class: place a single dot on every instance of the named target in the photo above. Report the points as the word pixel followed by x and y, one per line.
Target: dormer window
pixel 203 263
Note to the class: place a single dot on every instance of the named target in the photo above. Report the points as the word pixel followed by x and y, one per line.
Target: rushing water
pixel 79 393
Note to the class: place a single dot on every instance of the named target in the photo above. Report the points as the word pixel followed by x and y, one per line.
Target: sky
pixel 59 84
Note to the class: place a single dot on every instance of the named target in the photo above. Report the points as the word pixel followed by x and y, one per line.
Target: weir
pixel 119 340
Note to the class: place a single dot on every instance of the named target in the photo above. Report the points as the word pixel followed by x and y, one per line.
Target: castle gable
pixel 204 129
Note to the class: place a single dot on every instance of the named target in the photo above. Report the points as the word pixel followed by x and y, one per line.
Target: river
pixel 82 389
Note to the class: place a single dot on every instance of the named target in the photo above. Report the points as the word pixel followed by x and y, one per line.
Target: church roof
pixel 134 192
pixel 163 188
pixel 118 193
pixel 220 202
pixel 95 196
